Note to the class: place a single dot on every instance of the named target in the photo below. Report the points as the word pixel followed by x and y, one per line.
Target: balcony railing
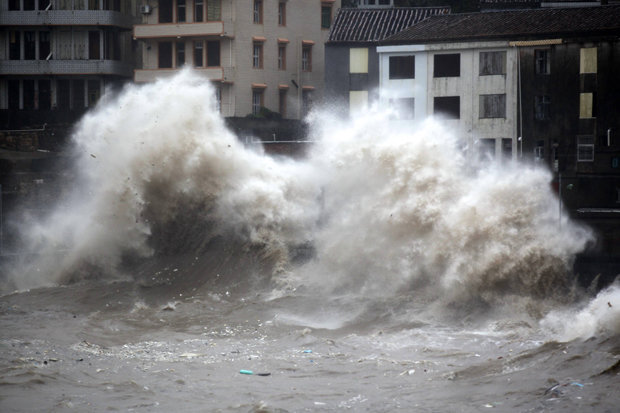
pixel 147 31
pixel 66 18
pixel 149 75
pixel 65 67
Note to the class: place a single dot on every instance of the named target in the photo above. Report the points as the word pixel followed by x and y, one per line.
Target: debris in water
pixel 307 351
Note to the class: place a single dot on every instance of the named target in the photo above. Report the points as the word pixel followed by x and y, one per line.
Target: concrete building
pixel 58 56
pixel 263 56
pixel 352 63
pixel 472 85
pixel 546 75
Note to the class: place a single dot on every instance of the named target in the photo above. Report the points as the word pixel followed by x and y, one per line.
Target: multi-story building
pixel 261 55
pixel 541 83
pixel 58 56
pixel 352 63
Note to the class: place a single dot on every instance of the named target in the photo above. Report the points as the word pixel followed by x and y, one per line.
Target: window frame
pixel 542 61
pixel 257 55
pixel 257 12
pixel 490 65
pixel 199 11
pixel 306 58
pixel 585 146
pixel 282 13
pixel 198 47
pixel 447 114
pixel 326 18
pixel 487 109
pixel 257 104
pixel 444 70
pixel 542 107
pixel 281 56
pixel 398 63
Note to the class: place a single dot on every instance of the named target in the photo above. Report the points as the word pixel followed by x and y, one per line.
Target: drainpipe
pixel 520 103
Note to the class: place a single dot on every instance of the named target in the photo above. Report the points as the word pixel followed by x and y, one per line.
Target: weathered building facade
pixel 562 100
pixel 351 59
pixel 58 56
pixel 261 55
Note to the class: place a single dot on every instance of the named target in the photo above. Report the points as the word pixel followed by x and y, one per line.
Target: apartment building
pixel 262 56
pixel 58 56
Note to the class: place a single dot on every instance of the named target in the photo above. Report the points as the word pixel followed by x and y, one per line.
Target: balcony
pixel 150 75
pixel 65 67
pixel 148 31
pixel 66 18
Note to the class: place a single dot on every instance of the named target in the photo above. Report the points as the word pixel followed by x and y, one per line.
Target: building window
pixel 585 148
pixel 199 10
pixel 492 106
pixel 507 148
pixel 358 60
pixel 447 65
pixel 258 12
pixel 257 101
pixel 214 10
pixel 587 61
pixel 542 107
pixel 13 92
pixel 539 150
pixel 165 55
pixel 45 94
pixel 28 94
pixel 282 56
pixel 358 100
pixel 30 47
pixel 181 11
pixel 165 11
pixel 282 103
pixel 402 67
pixel 542 61
pixel 404 107
pixel 94 92
pixel 326 16
pixel 492 63
pixel 447 106
pixel 282 13
pixel 14 5
pixel 94 45
pixel 306 58
pixel 586 106
pixel 486 147
pixel 199 53
pixel 218 99
pixel 44 45
pixel 257 55
pixel 180 54
pixel 213 53
pixel 14 45
pixel 306 102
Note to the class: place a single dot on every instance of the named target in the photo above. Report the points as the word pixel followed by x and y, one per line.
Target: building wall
pixel 468 86
pixel 236 77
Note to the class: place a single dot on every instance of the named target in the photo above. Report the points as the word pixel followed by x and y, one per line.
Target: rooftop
pixel 372 25
pixel 529 23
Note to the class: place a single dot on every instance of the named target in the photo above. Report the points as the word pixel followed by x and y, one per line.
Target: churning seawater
pixel 389 270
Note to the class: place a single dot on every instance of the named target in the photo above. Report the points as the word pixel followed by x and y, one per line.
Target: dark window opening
pixel 447 65
pixel 282 14
pixel 165 55
pixel 63 94
pixel 402 67
pixel 542 62
pixel 44 4
pixel 13 5
pixel 486 147
pixel 448 107
pixel 165 11
pixel 28 4
pixel 13 94
pixel 199 11
pixel 213 53
pixel 198 53
pixel 258 11
pixel 44 46
pixel 282 103
pixel 94 47
pixel 93 4
pixel 28 89
pixel 45 94
pixel 112 46
pixel 326 16
pixel 77 87
pixel 542 107
pixel 14 45
pixel 507 148
pixel 180 54
pixel 94 92
pixel 30 47
pixel 181 11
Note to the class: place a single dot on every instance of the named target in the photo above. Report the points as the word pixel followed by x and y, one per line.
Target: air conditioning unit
pixel 145 9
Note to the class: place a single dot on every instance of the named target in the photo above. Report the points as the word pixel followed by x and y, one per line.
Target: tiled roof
pixel 372 25
pixel 531 23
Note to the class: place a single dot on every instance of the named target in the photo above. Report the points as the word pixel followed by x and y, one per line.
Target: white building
pixel 473 86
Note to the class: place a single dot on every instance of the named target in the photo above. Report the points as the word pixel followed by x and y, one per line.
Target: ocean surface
pixel 391 269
